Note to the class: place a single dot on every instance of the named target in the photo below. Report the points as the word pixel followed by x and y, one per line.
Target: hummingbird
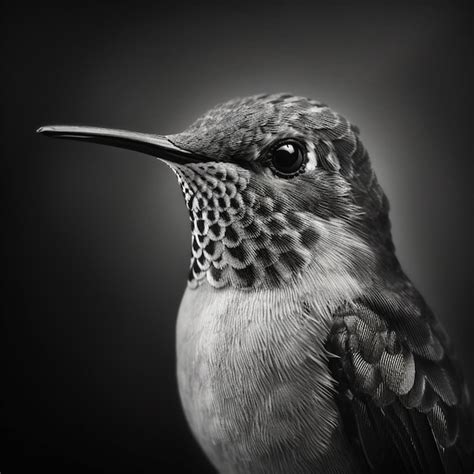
pixel 301 344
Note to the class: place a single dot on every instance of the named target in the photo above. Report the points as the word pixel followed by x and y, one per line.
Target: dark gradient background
pixel 97 238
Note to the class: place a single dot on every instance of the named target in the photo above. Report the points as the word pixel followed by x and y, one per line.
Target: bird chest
pixel 246 374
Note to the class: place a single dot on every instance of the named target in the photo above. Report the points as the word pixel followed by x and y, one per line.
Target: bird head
pixel 276 186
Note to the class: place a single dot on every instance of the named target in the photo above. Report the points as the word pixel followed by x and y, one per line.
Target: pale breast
pixel 254 381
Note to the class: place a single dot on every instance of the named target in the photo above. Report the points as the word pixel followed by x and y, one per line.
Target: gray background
pixel 97 239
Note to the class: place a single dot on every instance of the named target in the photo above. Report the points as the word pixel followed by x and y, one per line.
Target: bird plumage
pixel 301 344
pixel 400 394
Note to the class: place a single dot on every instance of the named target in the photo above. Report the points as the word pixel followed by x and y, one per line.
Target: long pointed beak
pixel 155 145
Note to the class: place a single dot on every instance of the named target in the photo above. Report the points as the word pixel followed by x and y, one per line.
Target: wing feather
pixel 402 398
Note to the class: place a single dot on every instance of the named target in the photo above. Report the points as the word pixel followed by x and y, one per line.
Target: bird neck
pixel 251 238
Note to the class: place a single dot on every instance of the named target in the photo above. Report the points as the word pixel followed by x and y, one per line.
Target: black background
pixel 97 239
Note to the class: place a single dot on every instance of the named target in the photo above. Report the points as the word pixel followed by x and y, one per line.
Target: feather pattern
pixel 401 396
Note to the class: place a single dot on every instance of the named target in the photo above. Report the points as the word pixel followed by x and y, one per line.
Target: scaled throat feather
pixel 245 235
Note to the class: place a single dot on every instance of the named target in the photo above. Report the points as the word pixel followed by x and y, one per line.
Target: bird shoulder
pixel 401 395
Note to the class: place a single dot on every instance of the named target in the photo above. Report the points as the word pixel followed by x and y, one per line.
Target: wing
pixel 403 401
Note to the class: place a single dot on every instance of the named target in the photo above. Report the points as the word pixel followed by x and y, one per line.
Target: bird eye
pixel 287 159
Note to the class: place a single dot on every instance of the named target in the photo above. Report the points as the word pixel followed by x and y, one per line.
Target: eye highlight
pixel 287 158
